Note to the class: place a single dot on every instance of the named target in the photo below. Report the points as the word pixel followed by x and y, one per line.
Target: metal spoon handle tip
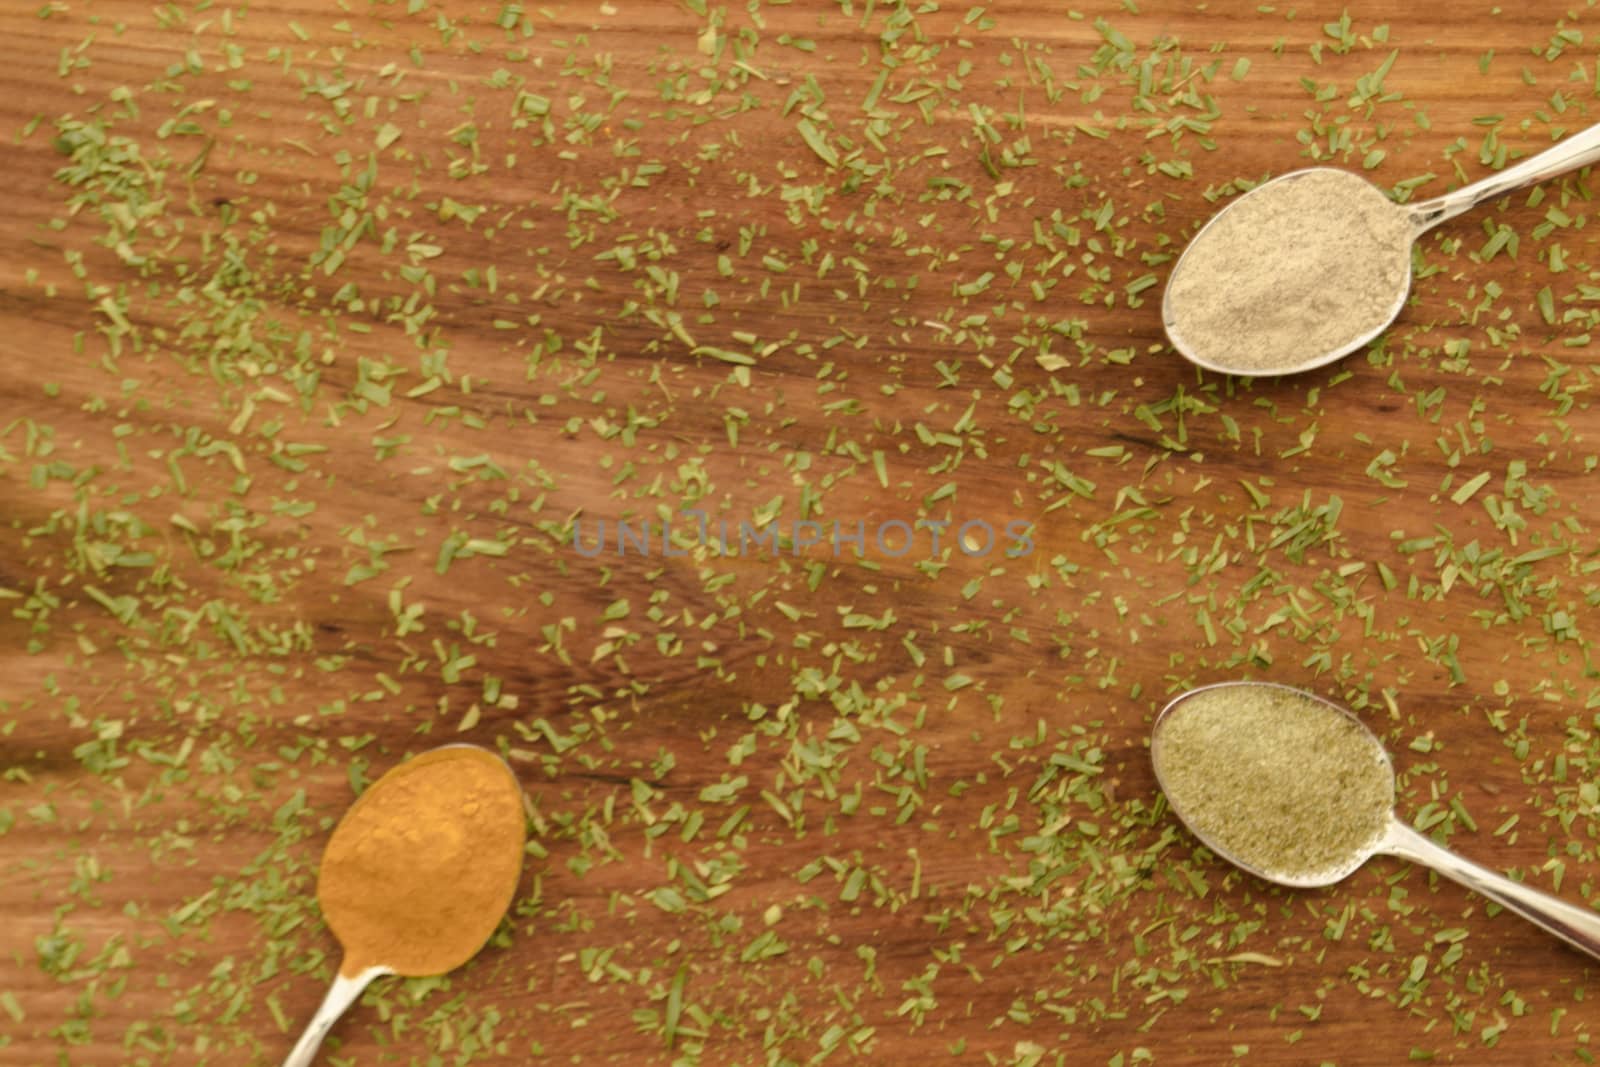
pixel 1577 150
pixel 340 996
pixel 1577 926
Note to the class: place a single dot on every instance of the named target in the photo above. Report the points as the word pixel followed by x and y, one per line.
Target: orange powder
pixel 423 866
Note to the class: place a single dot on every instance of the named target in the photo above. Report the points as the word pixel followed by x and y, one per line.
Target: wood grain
pixel 790 804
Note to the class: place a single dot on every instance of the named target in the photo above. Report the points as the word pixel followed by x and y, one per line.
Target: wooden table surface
pixel 343 341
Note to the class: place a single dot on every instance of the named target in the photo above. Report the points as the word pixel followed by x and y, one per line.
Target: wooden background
pixel 324 325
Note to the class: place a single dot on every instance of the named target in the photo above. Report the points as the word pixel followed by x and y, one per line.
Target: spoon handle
pixel 1578 150
pixel 341 995
pixel 1577 926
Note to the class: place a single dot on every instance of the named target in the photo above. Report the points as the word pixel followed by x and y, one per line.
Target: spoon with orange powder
pixel 418 874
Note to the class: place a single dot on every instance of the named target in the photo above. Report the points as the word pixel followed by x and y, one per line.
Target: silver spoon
pixel 485 828
pixel 1577 926
pixel 1218 349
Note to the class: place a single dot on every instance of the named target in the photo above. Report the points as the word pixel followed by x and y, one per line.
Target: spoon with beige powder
pixel 1313 265
pixel 1294 789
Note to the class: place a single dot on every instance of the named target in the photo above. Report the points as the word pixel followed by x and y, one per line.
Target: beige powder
pixel 1282 782
pixel 1299 267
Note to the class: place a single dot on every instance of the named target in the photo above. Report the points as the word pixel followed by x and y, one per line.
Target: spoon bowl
pixel 1309 267
pixel 1319 257
pixel 1339 863
pixel 1182 757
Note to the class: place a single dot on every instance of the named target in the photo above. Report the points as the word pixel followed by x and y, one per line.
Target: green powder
pixel 1279 781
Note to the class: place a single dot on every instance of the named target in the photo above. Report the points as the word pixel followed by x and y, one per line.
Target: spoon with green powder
pixel 1295 790
pixel 1311 266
